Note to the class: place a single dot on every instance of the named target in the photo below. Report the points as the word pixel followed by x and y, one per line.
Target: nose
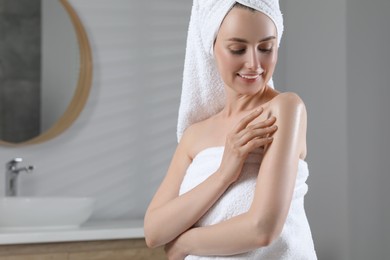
pixel 253 60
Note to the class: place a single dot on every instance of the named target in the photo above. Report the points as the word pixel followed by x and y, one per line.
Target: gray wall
pixel 20 68
pixel 337 59
pixel 368 88
pixel 315 68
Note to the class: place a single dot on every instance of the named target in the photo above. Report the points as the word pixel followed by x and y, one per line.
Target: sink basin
pixel 37 213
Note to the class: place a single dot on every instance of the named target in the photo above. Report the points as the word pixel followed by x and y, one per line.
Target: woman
pixel 235 186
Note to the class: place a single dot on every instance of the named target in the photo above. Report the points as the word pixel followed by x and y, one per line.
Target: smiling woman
pixel 45 70
pixel 236 184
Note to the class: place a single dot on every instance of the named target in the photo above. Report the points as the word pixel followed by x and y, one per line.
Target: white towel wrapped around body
pixel 295 241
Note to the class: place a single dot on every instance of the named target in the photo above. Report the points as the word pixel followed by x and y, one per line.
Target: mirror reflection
pixel 39 66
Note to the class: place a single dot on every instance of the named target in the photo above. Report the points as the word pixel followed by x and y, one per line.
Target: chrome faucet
pixel 11 176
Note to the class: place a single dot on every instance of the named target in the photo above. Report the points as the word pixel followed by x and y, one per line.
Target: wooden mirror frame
pixel 83 87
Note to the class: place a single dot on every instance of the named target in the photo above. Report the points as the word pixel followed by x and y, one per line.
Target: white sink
pixel 37 213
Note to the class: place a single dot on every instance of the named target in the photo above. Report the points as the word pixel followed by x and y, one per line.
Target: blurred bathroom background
pixel 334 54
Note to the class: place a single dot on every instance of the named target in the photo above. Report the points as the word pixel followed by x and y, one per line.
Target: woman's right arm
pixel 169 214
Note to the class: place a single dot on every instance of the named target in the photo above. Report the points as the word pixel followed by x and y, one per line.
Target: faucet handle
pixel 16 160
pixel 12 164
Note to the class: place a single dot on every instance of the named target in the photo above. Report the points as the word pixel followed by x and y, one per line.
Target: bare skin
pixel 246 56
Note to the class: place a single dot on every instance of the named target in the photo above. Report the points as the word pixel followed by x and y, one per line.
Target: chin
pixel 250 90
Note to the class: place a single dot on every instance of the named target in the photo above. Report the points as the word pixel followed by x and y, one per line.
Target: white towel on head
pixel 203 92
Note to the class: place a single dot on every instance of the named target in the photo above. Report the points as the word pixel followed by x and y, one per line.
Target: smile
pixel 255 76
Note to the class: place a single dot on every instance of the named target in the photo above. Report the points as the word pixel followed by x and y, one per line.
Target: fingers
pixel 246 136
pixel 265 123
pixel 256 133
pixel 247 119
pixel 257 142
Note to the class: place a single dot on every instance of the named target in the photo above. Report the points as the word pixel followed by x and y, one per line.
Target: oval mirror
pixel 45 69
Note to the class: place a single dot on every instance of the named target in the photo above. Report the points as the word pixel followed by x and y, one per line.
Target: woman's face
pixel 246 50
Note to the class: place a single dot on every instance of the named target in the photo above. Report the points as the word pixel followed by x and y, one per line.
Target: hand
pixel 243 139
pixel 174 250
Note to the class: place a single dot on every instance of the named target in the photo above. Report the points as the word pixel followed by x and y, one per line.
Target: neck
pixel 236 103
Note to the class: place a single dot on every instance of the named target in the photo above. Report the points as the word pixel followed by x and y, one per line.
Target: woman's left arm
pixel 265 219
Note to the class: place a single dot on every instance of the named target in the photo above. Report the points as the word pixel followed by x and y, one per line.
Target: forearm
pixel 165 223
pixel 234 236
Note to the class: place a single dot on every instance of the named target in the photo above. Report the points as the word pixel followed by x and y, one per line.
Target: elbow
pixel 264 240
pixel 151 238
pixel 150 242
pixel 266 232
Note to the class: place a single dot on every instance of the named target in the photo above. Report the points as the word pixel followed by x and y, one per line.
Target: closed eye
pixel 264 50
pixel 242 51
pixel 238 52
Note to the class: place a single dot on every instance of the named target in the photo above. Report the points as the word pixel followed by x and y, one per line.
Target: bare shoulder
pixel 188 137
pixel 290 105
pixel 193 131
pixel 289 101
pixel 194 137
pixel 291 116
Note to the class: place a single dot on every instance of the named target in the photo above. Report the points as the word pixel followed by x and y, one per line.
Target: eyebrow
pixel 234 39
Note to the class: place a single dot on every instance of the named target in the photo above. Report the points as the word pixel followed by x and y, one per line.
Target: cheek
pixel 272 59
pixel 269 65
pixel 225 62
pixel 228 63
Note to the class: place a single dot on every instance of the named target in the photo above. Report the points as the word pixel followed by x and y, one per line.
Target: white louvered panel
pixel 165 47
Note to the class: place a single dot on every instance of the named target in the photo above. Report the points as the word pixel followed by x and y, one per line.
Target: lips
pixel 246 76
pixel 249 76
